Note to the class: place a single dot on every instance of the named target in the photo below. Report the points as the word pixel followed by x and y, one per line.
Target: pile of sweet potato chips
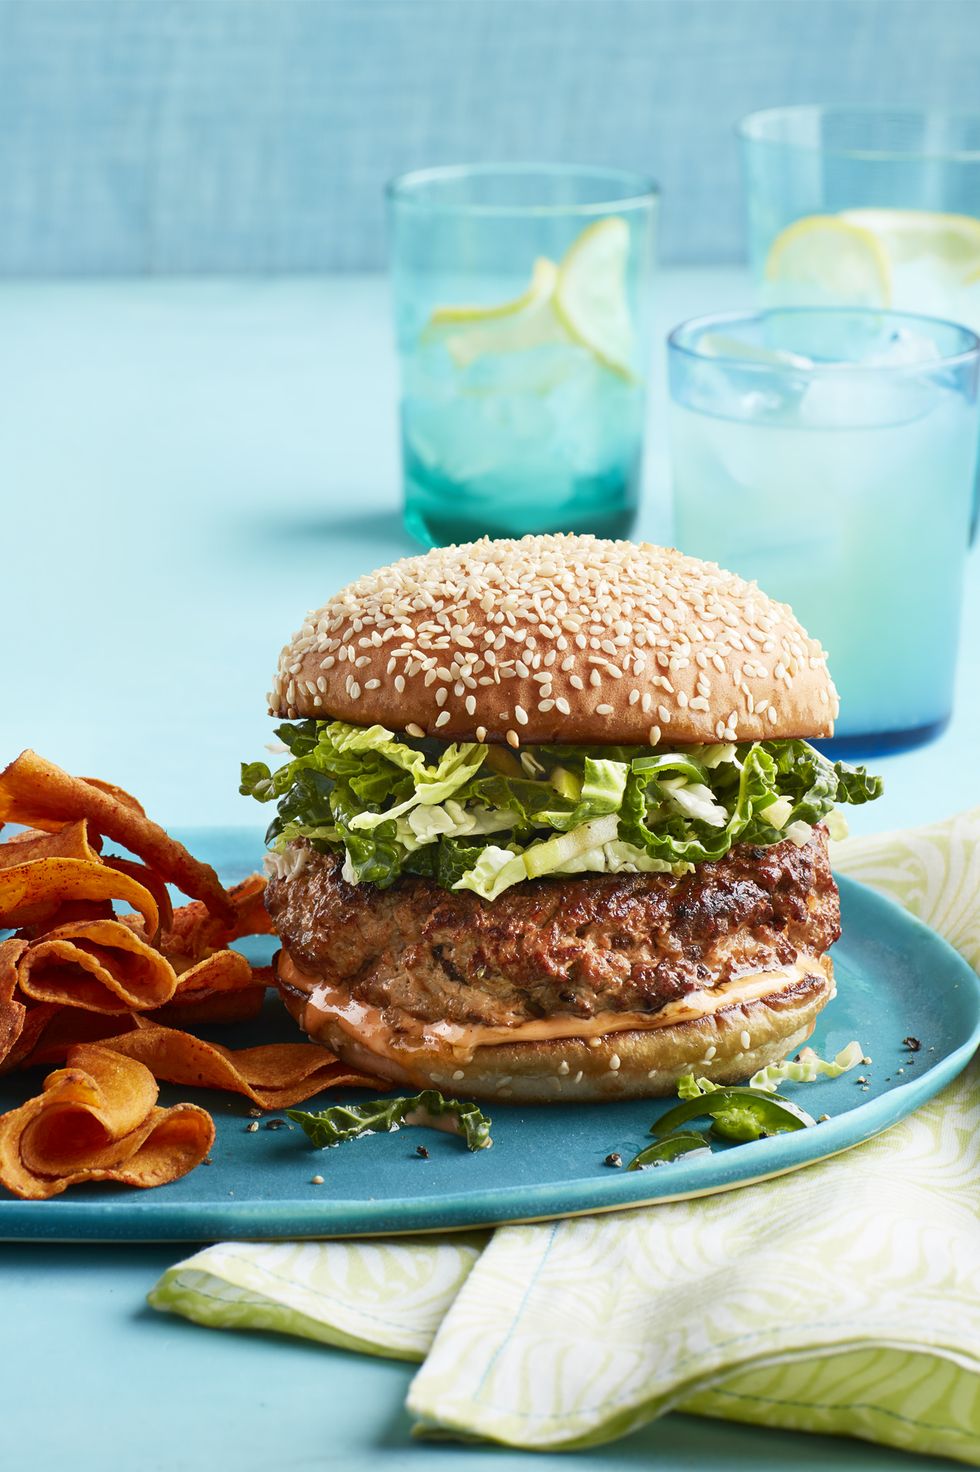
pixel 111 994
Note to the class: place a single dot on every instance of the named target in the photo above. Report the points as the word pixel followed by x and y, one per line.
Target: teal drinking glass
pixel 829 454
pixel 522 317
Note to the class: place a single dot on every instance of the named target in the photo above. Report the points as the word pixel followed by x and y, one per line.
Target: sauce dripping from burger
pixel 397 1035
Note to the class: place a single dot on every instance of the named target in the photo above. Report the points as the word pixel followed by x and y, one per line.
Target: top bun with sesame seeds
pixel 558 639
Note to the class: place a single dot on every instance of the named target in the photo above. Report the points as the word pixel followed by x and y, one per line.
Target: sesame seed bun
pixel 558 639
pixel 727 1046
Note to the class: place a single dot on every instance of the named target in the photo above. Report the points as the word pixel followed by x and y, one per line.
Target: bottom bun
pixel 726 1045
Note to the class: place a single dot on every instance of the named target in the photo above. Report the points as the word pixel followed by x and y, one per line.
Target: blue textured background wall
pixel 255 135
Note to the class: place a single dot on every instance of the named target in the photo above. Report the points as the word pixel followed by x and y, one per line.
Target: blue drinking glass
pixel 829 455
pixel 522 317
pixel 874 207
pixel 865 207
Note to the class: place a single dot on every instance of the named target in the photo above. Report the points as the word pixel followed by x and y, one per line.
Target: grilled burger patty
pixel 575 945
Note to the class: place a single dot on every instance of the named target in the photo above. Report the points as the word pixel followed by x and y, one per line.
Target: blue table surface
pixel 185 468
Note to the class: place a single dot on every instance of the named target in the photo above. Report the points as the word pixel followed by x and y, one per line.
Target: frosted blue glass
pixel 829 455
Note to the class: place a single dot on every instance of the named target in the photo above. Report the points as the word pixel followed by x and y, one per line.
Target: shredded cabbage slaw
pixel 484 818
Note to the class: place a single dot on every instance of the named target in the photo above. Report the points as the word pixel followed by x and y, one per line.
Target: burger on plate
pixel 551 828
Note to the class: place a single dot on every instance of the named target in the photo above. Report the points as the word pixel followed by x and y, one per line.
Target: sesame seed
pixel 604 710
pixel 563 1066
pixel 414 730
pixel 710 1052
pixel 615 1062
pixel 443 718
pixel 513 739
pixel 316 1180
pixel 745 1038
pixel 481 734
pixel 520 715
pixel 458 1075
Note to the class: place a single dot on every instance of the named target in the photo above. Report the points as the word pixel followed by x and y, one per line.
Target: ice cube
pixel 904 347
pixel 745 394
pixel 843 398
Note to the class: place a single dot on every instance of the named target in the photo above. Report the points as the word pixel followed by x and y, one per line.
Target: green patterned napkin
pixel 843 1298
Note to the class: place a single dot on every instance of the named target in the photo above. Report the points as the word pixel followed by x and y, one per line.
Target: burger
pixel 551 827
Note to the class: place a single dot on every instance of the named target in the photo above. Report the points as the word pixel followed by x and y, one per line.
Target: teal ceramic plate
pixel 896 979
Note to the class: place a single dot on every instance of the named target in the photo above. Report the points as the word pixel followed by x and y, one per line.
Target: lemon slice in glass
pixel 526 321
pixel 590 293
pixel 827 258
pixel 951 242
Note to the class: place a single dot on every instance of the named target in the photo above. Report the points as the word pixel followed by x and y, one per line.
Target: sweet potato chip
pixel 196 944
pixel 33 892
pixel 248 903
pixel 118 793
pixel 150 879
pixel 223 987
pixel 274 1076
pixel 12 1012
pixel 194 933
pixel 50 1032
pixel 97 1120
pixel 98 965
pixel 222 971
pixel 36 792
pixel 70 842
